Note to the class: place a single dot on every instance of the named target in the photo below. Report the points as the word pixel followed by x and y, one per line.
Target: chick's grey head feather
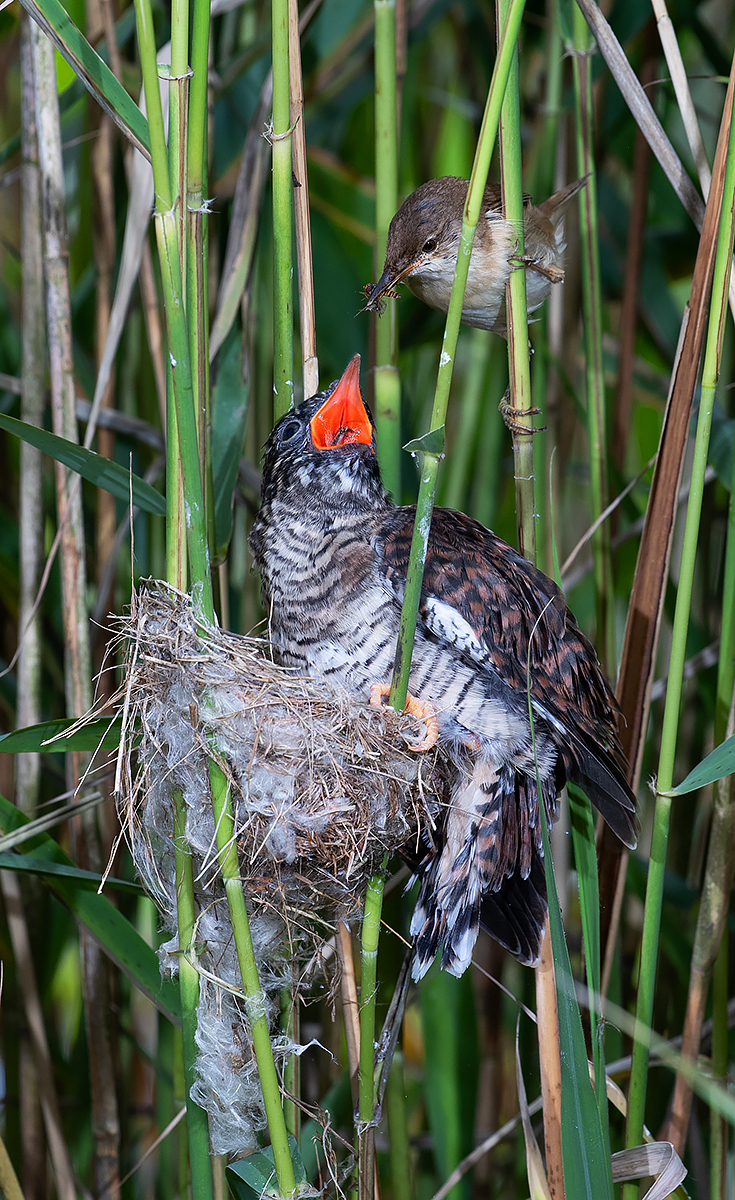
pixel 298 465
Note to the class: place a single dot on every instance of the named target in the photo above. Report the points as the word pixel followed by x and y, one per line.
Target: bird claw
pixel 422 710
pixel 550 272
pixel 510 416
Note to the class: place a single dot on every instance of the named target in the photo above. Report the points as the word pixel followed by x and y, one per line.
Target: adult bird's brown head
pixel 325 448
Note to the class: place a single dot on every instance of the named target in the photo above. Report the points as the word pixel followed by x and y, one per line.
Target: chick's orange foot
pixel 422 710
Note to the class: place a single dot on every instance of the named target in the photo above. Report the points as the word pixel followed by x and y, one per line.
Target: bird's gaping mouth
pixel 342 419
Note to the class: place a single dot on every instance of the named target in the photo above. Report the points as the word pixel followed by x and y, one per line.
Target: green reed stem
pixel 518 364
pixel 585 858
pixel 178 120
pixel 543 176
pixel 662 814
pixel 457 475
pixel 283 363
pixel 196 251
pixel 167 237
pixel 181 449
pixel 255 1000
pixel 592 303
pixel 433 442
pixel 387 381
pixel 196 1118
pixel 167 233
pixel 289 1027
pixel 400 1149
pixel 720 997
pixel 368 996
pixel 718 1124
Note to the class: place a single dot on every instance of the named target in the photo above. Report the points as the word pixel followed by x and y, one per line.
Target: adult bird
pixel 423 243
pixel 333 553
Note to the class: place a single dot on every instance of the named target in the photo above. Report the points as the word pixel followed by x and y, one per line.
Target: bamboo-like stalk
pixel 28 766
pixel 400 1149
pixel 227 849
pixel 523 456
pixel 196 250
pixel 77 657
pixel 457 475
pixel 652 567
pixel 725 685
pixel 515 299
pixel 629 301
pixel 196 1118
pixel 387 379
pixel 592 302
pixel 283 366
pixel 541 170
pixel 307 315
pixel 720 867
pixel 718 1125
pixel 350 1005
pixel 18 929
pixel 711 920
pixel 657 863
pixel 433 442
pixel 167 238
pixel 368 990
pixel 182 469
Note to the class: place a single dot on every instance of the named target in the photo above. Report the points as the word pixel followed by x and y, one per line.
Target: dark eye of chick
pixel 290 432
pixel 430 245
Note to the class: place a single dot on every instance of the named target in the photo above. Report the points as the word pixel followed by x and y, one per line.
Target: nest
pixel 322 787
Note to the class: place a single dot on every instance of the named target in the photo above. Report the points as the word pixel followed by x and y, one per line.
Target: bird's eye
pixel 430 245
pixel 290 432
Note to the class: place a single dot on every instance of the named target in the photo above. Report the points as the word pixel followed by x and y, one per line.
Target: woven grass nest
pixel 322 788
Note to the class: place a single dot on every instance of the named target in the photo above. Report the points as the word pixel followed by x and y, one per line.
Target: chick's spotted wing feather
pixel 501 606
pixel 507 603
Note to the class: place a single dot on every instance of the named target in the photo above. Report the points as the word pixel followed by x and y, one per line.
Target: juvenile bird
pixel 333 554
pixel 423 242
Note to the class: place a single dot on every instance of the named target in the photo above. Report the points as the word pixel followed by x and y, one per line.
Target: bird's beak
pixel 387 281
pixel 342 419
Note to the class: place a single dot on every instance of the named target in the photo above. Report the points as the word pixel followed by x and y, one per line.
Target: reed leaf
pixel 93 71
pixel 102 472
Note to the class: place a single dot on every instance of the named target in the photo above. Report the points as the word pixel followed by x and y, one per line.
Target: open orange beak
pixel 342 418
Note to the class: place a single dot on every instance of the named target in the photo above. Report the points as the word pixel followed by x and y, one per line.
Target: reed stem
pixel 307 317
pixel 662 814
pixel 592 303
pixel 283 363
pixel 196 252
pixel 255 1000
pixel 196 1118
pixel 431 445
pixel 400 1148
pixel 387 380
pixel 368 991
pixel 515 299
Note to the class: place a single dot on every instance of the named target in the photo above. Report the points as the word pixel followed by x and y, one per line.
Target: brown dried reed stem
pixel 652 568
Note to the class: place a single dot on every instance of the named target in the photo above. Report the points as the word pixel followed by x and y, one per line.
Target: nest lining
pixel 322 788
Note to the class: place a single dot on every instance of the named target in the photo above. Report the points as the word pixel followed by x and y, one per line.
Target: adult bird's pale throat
pixel 333 555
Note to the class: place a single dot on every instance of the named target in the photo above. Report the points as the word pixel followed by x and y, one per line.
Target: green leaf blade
pixel 101 471
pixel 100 734
pixel 91 70
pixel 717 765
pixel 114 933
